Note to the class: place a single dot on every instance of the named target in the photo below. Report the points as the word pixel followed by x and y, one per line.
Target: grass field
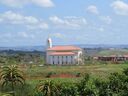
pixel 101 70
pixel 113 52
pixel 35 74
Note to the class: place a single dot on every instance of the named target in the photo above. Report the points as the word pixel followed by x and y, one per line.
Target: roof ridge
pixel 68 47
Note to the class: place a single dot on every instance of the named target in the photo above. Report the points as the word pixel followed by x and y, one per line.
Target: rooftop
pixel 61 53
pixel 64 48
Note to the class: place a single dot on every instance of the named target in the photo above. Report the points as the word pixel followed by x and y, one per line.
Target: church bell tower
pixel 49 43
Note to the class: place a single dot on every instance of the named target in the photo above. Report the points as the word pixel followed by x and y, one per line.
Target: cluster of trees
pixel 17 57
pixel 115 85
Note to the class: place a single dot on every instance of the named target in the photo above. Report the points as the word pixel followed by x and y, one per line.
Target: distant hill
pixel 113 52
pixel 25 48
pixel 105 52
pixel 42 48
pixel 101 46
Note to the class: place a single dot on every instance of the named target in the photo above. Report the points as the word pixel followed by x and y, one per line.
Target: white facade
pixel 63 55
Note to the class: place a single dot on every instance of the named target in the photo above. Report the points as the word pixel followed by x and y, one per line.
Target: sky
pixel 66 22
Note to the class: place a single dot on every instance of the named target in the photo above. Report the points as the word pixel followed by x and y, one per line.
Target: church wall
pixel 60 60
pixel 56 60
pixel 50 59
pixel 63 59
pixel 47 58
pixel 69 59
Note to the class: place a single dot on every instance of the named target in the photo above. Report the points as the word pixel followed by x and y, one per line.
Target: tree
pixel 68 89
pixel 85 87
pixel 11 75
pixel 102 88
pixel 119 83
pixel 48 88
pixel 125 71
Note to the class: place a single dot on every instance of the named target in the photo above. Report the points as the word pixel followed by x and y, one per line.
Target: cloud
pixel 68 21
pixel 92 9
pixel 25 35
pixel 10 36
pixel 58 35
pixel 39 26
pixel 30 22
pixel 43 3
pixel 57 20
pixel 21 3
pixel 15 18
pixel 101 29
pixel 120 7
pixel 106 19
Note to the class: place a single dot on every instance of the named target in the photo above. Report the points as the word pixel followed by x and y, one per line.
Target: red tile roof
pixel 112 56
pixel 125 55
pixel 61 48
pixel 62 53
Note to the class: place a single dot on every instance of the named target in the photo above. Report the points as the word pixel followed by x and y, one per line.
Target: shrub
pixel 85 87
pixel 125 71
pixel 50 74
pixel 78 74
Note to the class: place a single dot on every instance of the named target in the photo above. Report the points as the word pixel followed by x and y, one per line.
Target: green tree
pixel 119 83
pixel 68 89
pixel 102 88
pixel 125 71
pixel 48 88
pixel 11 75
pixel 85 87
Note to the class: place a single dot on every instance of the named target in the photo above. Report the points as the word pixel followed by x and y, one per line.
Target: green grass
pixel 95 70
pixel 113 52
pixel 101 70
pixel 35 74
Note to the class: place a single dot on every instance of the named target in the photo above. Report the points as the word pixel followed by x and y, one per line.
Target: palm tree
pixel 11 75
pixel 48 88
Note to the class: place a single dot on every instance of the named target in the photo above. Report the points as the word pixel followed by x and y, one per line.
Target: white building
pixel 62 55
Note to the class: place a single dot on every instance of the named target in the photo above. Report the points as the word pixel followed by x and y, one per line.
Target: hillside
pixel 113 52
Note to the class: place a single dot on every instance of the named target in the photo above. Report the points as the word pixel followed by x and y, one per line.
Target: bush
pixel 78 74
pixel 115 85
pixel 125 71
pixel 85 87
pixel 50 74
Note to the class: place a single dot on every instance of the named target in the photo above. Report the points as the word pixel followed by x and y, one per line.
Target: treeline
pixel 13 83
pixel 115 85
pixel 21 57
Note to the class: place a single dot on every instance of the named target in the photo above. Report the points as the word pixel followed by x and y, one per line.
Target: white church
pixel 63 55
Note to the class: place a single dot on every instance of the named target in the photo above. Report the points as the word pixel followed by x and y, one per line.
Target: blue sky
pixel 31 22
